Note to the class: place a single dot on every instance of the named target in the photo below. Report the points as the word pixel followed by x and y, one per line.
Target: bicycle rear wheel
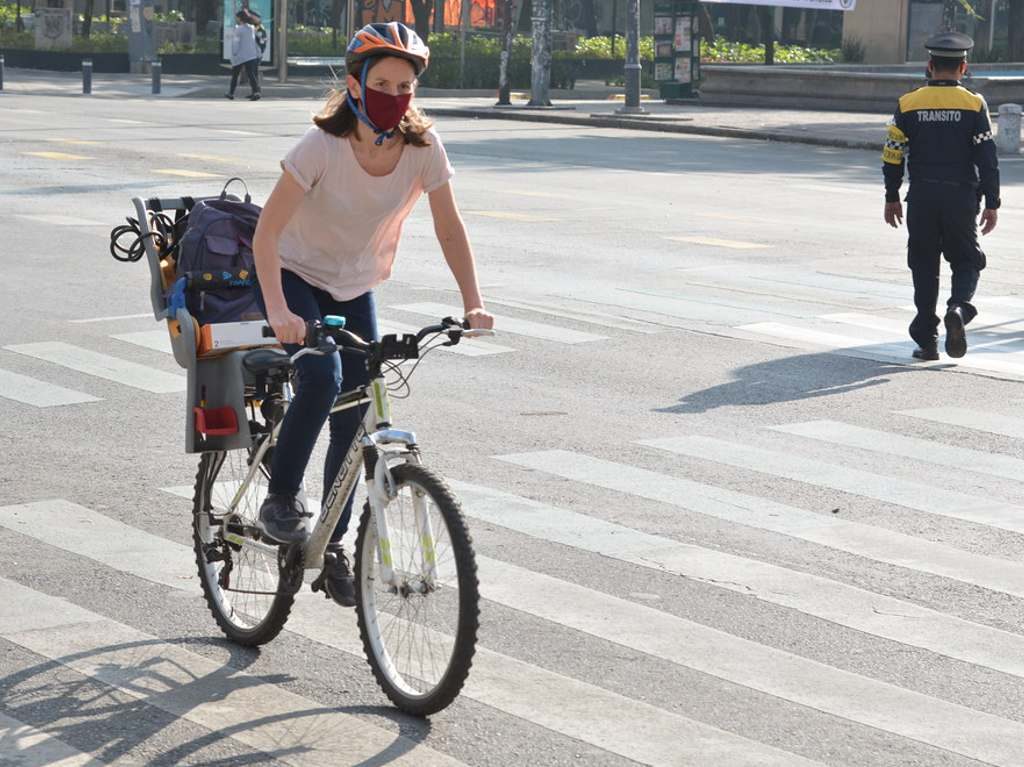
pixel 419 635
pixel 240 574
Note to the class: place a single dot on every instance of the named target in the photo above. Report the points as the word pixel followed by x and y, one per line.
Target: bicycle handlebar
pixel 324 339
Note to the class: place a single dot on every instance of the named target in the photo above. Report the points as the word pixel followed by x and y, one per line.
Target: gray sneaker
pixel 282 519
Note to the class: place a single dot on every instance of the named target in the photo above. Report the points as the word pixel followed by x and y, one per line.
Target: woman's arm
pixel 451 234
pixel 283 202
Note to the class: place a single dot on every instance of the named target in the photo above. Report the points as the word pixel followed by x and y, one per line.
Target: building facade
pixel 894 31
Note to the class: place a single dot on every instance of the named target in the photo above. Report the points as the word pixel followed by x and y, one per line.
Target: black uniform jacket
pixel 945 133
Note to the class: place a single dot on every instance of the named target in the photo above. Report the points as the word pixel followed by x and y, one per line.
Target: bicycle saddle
pixel 265 360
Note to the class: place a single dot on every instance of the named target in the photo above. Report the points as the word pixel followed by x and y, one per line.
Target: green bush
pixel 601 48
pixel 99 42
pixel 202 45
pixel 11 39
pixel 8 14
pixel 723 51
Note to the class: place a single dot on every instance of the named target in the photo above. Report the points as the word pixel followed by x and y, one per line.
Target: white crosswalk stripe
pixel 32 391
pixel 774 672
pixel 192 687
pixel 103 366
pixel 993 349
pixel 926 451
pixel 993 423
pixel 573 707
pixel 545 331
pixel 24 746
pixel 946 725
pixel 829 600
pixel 471 347
pixel 638 731
pixel 157 340
pixel 901 492
pixel 863 540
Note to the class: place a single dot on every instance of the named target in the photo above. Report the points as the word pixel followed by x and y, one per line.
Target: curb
pixel 642 124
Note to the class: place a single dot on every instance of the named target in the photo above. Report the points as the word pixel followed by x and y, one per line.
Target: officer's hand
pixel 989 219
pixel 894 214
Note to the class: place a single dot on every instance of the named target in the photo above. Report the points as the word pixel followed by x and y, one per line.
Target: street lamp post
pixel 632 105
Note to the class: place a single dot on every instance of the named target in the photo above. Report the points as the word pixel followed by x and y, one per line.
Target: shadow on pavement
pixel 111 719
pixel 805 376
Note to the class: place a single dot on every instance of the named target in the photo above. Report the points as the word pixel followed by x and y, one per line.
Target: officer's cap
pixel 949 45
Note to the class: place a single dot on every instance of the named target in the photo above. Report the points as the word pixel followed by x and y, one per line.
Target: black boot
pixel 928 352
pixel 338 580
pixel 956 336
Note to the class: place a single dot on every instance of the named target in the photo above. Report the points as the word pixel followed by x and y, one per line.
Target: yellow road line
pixel 57 156
pixel 210 158
pixel 547 195
pixel 717 243
pixel 507 215
pixel 74 141
pixel 186 173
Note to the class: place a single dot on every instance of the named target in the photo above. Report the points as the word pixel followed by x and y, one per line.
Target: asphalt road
pixel 725 521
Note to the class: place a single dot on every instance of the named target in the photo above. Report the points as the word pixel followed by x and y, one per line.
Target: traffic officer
pixel 947 132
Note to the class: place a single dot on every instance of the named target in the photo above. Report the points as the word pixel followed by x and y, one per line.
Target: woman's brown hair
pixel 338 119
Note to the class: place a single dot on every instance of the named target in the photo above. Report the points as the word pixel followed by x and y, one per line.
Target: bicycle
pixel 417 593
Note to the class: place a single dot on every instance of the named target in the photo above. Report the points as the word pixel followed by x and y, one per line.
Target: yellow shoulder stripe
pixel 896 135
pixel 941 97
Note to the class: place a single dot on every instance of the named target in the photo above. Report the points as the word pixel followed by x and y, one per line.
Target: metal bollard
pixel 156 68
pixel 1 72
pixel 87 76
pixel 1008 138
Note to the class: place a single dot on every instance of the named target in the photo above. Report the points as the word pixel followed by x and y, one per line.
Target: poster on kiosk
pixel 261 7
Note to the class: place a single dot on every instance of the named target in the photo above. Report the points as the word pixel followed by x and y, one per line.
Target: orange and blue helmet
pixel 387 39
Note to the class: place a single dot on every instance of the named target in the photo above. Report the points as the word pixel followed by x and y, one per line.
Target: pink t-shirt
pixel 344 235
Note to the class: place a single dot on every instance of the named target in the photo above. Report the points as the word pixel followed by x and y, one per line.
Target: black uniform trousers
pixel 941 218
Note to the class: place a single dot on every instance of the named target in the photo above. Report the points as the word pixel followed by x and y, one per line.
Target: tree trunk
pixel 205 13
pixel 1016 25
pixel 87 18
pixel 588 17
pixel 949 15
pixel 768 29
pixel 707 26
pixel 540 80
pixel 439 11
pixel 421 10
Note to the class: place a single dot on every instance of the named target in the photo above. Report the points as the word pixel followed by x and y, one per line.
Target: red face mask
pixel 386 110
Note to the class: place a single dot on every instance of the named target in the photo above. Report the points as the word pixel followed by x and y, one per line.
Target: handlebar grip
pixel 313 333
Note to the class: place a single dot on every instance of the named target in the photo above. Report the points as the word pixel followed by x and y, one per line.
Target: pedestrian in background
pixel 953 165
pixel 245 54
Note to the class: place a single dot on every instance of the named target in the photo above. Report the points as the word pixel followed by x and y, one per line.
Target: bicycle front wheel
pixel 239 572
pixel 419 631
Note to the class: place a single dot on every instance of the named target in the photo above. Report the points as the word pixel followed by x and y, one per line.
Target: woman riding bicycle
pixel 328 235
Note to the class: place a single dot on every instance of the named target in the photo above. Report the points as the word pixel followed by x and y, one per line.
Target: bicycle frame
pixel 376 436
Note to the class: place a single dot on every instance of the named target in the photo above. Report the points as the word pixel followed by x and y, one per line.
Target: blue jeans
pixel 319 383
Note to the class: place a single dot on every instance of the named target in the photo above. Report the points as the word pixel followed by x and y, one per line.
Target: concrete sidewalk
pixel 591 104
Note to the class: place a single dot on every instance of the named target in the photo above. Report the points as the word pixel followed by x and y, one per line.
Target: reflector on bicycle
pixel 216 422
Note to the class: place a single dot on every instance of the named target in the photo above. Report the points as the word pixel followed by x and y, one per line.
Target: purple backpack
pixel 216 262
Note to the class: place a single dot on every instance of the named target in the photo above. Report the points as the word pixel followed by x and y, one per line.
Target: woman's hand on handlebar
pixel 288 327
pixel 479 319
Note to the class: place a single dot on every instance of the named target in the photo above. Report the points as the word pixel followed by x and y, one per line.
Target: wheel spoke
pixel 412 637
